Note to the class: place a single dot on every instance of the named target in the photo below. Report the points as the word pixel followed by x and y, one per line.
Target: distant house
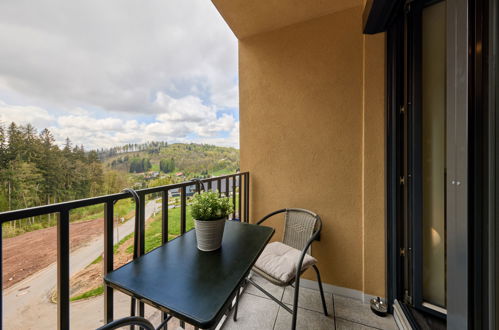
pixel 151 175
pixel 190 190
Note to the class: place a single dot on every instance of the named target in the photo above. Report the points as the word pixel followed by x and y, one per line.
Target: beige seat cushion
pixel 279 261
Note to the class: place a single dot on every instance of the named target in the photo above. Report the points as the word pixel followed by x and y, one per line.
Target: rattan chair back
pixel 299 226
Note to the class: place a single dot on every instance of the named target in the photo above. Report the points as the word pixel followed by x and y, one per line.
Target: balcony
pixel 256 311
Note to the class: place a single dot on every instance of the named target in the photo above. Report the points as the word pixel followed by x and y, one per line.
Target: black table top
pixel 193 285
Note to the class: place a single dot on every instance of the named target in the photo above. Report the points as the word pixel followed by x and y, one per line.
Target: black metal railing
pixel 233 185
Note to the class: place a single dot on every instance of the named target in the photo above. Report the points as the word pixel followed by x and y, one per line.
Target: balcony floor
pixel 256 311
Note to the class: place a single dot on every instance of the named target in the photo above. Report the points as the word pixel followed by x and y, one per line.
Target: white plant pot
pixel 209 234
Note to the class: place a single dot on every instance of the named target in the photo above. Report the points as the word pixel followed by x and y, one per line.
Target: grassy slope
pixel 190 158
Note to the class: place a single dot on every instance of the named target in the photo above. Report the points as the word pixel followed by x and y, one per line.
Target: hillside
pixel 190 159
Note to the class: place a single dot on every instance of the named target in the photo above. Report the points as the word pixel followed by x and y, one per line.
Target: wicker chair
pixel 282 263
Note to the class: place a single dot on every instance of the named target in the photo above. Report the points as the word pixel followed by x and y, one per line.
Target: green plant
pixel 208 205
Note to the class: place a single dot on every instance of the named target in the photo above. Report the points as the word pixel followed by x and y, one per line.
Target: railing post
pixel 227 187
pixel 164 234
pixel 247 200
pixel 183 202
pixel 234 196
pixel 63 270
pixel 183 205
pixel 108 259
pixel 164 216
pixel 240 191
pixel 142 240
pixel 1 275
pixel 142 224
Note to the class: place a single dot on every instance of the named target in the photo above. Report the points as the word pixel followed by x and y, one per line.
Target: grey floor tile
pixel 307 320
pixel 354 310
pixel 254 313
pixel 309 299
pixel 275 290
pixel 347 325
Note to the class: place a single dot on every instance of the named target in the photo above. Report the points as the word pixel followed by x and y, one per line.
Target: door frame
pixel 469 60
pixel 483 193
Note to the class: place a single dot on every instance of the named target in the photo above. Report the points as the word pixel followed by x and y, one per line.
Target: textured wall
pixel 307 114
pixel 373 168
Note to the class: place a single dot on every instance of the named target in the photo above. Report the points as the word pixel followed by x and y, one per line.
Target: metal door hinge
pixel 402 252
pixel 402 180
pixel 402 109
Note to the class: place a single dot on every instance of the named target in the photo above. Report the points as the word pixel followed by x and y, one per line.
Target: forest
pixel 35 171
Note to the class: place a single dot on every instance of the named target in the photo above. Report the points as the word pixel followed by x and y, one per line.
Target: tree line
pixel 152 147
pixel 35 171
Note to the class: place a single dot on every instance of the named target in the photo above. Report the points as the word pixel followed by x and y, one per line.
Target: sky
pixel 108 73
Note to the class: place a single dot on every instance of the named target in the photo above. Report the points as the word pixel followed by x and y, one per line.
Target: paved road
pixel 27 305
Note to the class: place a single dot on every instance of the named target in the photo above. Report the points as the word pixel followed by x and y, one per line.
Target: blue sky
pixel 106 73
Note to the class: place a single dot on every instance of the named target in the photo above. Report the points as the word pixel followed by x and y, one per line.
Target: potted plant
pixel 210 212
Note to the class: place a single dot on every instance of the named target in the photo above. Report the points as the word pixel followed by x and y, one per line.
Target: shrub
pixel 209 206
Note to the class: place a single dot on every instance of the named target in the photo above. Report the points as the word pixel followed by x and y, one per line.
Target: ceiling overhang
pixel 250 17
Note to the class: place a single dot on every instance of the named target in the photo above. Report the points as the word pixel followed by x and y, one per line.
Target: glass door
pixel 425 157
pixel 433 160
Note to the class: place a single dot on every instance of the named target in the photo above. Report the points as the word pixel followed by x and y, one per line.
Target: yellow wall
pixel 311 130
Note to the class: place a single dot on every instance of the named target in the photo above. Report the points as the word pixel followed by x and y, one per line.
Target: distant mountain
pixel 197 159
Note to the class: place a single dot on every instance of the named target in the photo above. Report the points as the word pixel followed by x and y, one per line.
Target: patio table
pixel 194 286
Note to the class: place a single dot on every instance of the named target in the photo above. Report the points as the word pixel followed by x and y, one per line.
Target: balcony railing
pixel 235 186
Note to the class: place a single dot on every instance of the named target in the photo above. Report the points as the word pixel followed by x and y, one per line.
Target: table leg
pixel 132 311
pixel 164 317
pixel 237 304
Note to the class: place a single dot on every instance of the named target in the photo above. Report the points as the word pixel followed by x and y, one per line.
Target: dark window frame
pixel 483 150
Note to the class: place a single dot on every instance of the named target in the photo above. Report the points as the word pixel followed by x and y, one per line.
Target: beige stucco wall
pixel 311 131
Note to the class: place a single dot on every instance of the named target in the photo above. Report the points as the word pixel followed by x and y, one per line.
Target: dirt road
pixel 29 253
pixel 26 303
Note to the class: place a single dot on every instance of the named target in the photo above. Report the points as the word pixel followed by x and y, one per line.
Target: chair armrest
pixel 270 215
pixel 131 320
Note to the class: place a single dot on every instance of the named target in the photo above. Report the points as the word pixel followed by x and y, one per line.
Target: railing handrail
pixel 7 216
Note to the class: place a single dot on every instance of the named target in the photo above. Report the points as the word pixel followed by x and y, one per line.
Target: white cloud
pixel 23 115
pixel 105 73
pixel 231 141
pixel 116 54
pixel 224 123
pixel 94 133
pixel 189 108
pixel 91 124
pixel 227 97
